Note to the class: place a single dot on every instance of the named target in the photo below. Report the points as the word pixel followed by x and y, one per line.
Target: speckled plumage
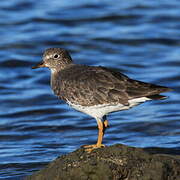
pixel 89 86
pixel 95 91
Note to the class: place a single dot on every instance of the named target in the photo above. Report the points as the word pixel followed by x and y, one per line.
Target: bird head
pixel 55 58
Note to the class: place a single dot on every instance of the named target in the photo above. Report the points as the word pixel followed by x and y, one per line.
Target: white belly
pixel 98 111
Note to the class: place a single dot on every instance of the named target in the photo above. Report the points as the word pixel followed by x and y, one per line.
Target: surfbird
pixel 94 90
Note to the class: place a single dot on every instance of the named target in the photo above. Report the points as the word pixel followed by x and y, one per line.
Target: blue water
pixel 139 38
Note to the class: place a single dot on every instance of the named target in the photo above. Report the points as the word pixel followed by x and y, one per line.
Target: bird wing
pixel 92 85
pixel 88 86
pixel 137 89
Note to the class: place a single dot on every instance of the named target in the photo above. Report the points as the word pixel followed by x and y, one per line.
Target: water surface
pixel 139 38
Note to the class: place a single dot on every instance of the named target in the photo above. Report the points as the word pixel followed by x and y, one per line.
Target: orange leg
pixel 101 126
pixel 106 124
pixel 100 134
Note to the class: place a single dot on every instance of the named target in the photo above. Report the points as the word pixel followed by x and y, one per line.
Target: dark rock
pixel 117 162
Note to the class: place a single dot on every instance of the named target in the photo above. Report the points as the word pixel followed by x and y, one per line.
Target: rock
pixel 117 162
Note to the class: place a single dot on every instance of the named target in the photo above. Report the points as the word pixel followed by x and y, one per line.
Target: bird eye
pixel 56 56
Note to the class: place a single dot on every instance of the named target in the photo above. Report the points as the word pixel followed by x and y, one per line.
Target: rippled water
pixel 140 38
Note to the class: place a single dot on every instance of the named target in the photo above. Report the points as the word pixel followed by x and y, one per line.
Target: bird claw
pixel 89 148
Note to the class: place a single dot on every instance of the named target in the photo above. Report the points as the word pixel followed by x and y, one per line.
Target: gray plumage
pixel 95 91
pixel 89 86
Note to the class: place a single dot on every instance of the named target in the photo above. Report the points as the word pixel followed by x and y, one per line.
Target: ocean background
pixel 140 38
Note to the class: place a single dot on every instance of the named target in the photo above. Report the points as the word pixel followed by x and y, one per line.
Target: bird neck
pixel 60 68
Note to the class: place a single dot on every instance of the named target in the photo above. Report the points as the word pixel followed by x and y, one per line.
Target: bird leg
pixel 105 124
pixel 101 126
pixel 100 134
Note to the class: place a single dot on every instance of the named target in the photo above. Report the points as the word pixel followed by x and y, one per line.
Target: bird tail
pixel 157 97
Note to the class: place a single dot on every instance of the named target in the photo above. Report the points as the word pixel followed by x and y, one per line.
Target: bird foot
pixel 90 148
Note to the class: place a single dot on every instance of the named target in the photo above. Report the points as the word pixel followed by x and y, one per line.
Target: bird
pixel 95 90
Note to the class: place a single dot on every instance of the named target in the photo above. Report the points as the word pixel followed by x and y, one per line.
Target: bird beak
pixel 41 64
